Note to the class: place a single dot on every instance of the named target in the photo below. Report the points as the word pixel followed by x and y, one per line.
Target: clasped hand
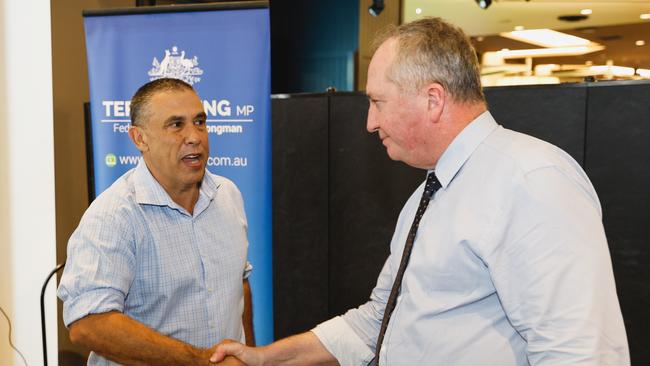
pixel 241 354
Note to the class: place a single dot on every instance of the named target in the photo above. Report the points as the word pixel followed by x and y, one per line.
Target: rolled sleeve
pixel 99 269
pixel 343 343
pixel 351 338
pixel 248 269
pixel 92 302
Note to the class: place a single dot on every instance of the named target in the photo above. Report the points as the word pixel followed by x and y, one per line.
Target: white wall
pixel 27 221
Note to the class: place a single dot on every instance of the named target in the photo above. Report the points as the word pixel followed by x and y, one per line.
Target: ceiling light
pixel 376 8
pixel 549 52
pixel 645 16
pixel 418 11
pixel 640 42
pixel 546 38
pixel 484 4
pixel 586 11
pixel 526 80
pixel 614 70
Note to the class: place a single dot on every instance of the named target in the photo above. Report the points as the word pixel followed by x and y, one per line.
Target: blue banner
pixel 225 55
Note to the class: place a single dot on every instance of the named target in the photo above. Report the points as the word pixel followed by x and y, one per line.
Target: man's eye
pixel 199 122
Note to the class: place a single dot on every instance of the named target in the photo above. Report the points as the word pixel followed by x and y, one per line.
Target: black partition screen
pixel 300 212
pixel 618 163
pixel 367 191
pixel 551 113
pixel 337 195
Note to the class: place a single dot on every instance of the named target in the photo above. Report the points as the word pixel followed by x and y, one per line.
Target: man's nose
pixel 193 134
pixel 371 123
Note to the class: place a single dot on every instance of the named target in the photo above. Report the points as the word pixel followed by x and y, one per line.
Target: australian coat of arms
pixel 175 65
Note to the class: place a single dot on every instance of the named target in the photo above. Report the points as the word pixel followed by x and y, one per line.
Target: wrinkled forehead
pixel 173 102
pixel 173 97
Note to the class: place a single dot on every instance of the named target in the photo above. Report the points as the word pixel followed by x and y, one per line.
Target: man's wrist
pixel 264 357
pixel 197 356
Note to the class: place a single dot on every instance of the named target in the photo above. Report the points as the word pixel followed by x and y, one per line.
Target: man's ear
pixel 139 138
pixel 436 98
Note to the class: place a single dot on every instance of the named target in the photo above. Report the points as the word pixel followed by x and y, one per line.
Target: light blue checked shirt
pixel 138 252
pixel 510 266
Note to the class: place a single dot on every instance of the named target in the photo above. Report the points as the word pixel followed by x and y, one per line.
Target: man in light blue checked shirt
pixel 157 269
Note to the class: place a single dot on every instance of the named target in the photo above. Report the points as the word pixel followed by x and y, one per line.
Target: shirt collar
pixel 462 147
pixel 148 190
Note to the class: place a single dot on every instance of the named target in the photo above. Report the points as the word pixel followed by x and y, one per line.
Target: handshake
pixel 301 349
pixel 232 353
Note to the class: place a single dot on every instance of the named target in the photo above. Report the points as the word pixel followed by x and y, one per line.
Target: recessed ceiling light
pixel 418 11
pixel 549 52
pixel 585 11
pixel 640 42
pixel 546 38
pixel 519 28
pixel 614 70
pixel 484 4
pixel 645 16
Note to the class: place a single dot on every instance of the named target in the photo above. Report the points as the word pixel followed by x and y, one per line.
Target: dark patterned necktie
pixel 430 187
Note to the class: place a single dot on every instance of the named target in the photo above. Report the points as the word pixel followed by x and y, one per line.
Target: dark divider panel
pixel 618 163
pixel 300 195
pixel 367 191
pixel 553 113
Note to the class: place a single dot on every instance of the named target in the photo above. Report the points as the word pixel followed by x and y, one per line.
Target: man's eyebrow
pixel 201 115
pixel 373 96
pixel 171 119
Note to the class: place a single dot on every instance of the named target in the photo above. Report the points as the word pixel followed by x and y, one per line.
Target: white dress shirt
pixel 510 266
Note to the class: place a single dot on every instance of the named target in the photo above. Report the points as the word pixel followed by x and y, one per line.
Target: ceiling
pixel 614 24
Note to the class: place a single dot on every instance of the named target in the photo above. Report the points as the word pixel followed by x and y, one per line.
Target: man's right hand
pixel 298 350
pixel 251 356
pixel 229 361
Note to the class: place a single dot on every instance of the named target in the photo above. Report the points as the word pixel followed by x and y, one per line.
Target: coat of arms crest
pixel 175 65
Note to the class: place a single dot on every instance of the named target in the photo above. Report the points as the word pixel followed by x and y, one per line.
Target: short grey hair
pixel 141 98
pixel 432 50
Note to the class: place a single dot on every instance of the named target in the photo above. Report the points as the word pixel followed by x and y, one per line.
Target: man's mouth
pixel 192 159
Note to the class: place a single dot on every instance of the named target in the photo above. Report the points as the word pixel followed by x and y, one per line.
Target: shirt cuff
pixel 343 343
pixel 92 302
pixel 248 269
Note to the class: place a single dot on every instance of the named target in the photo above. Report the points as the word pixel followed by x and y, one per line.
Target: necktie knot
pixel 431 186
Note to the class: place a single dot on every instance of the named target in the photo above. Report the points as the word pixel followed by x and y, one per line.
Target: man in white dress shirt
pixel 510 264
